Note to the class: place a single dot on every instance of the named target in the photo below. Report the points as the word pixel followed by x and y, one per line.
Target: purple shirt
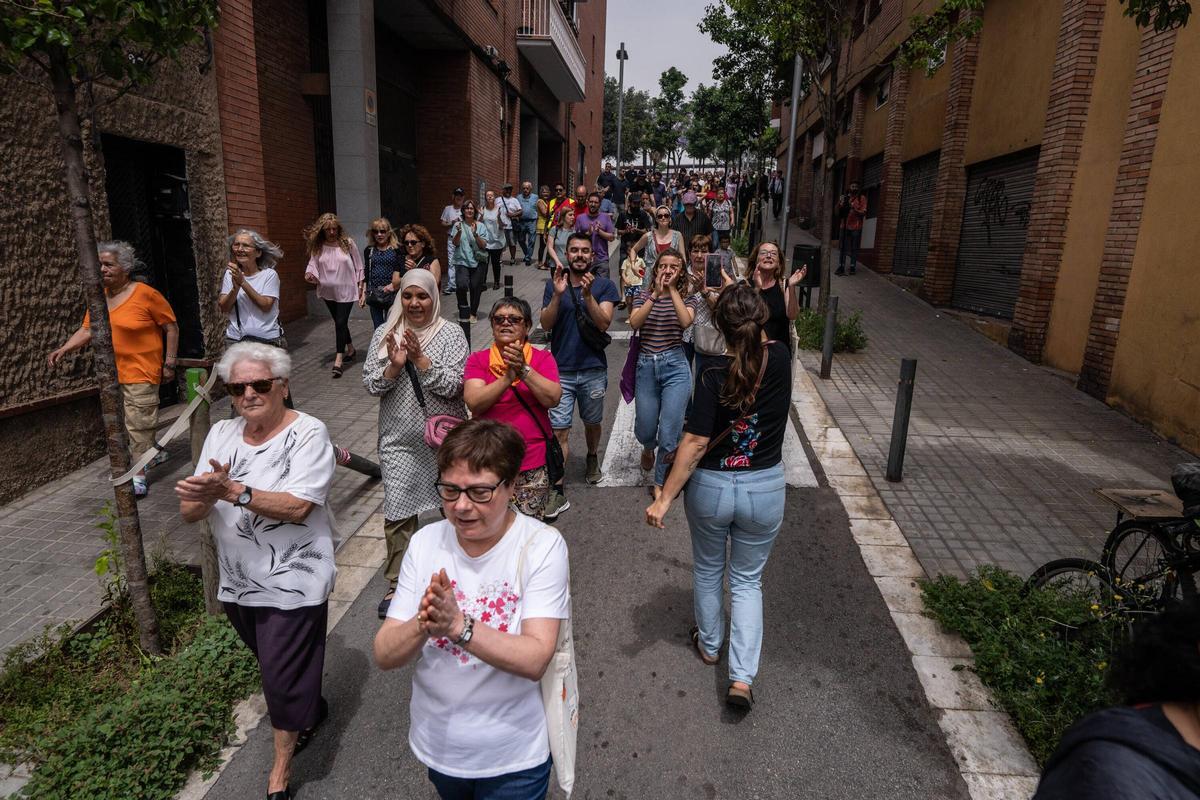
pixel 583 224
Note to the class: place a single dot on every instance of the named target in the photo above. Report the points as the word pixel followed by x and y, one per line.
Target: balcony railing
pixel 547 39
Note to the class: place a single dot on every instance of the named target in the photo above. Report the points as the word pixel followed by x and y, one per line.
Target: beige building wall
pixel 1156 369
pixel 1091 199
pixel 1012 81
pixel 926 112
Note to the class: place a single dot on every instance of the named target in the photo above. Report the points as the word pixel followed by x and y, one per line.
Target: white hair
pixel 274 357
pixel 270 253
pixel 122 250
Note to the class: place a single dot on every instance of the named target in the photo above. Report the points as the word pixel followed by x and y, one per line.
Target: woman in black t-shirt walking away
pixel 732 454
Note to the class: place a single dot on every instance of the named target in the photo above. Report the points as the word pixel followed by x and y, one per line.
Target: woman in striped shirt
pixel 661 312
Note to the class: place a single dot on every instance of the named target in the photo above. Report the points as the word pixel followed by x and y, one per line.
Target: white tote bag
pixel 560 691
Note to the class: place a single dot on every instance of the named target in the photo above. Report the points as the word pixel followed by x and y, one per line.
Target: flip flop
pixel 306 735
pixel 694 635
pixel 742 699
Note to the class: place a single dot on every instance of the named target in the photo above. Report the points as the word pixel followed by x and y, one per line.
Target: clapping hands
pixel 438 615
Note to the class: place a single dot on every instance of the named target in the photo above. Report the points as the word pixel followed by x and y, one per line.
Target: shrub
pixel 740 245
pixel 1044 679
pixel 99 719
pixel 849 336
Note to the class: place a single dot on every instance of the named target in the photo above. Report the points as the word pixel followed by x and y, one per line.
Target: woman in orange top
pixel 139 317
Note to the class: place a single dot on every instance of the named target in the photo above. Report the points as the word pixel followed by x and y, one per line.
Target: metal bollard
pixel 904 393
pixel 508 285
pixel 827 340
pixel 464 319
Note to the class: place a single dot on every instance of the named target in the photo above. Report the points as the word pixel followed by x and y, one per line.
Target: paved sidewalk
pixel 48 538
pixel 1002 455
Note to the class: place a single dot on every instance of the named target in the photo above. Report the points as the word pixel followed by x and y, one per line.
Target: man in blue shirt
pixel 582 369
pixel 599 226
pixel 524 224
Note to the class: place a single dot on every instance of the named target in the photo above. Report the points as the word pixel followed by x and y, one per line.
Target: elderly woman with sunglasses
pixel 383 268
pixel 482 594
pixel 514 382
pixel 262 480
pixel 414 346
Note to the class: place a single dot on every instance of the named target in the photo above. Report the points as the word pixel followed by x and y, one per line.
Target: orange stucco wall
pixel 1156 369
pixel 1091 200
pixel 1012 80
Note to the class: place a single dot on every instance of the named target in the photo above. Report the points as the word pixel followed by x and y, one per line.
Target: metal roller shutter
pixel 916 212
pixel 992 242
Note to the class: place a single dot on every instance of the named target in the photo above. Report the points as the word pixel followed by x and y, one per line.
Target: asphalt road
pixel 840 712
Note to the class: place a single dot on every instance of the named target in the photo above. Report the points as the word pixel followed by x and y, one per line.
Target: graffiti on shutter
pixel 916 212
pixel 992 242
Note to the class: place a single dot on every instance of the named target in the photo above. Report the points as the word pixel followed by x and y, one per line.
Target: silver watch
pixel 525 372
pixel 467 632
pixel 245 497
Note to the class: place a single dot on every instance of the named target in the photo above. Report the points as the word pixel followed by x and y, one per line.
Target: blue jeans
pixel 848 246
pixel 378 315
pixel 747 509
pixel 664 383
pixel 528 784
pixel 523 233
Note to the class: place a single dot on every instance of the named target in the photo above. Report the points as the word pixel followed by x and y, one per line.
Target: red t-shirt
pixel 509 409
pixel 858 209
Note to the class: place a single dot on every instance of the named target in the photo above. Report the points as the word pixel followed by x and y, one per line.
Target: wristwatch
pixel 467 632
pixel 245 497
pixel 524 372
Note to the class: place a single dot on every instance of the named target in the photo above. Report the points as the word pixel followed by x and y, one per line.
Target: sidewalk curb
pixel 358 559
pixel 991 756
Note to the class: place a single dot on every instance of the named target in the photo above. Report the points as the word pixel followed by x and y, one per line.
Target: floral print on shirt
pixel 495 605
pixel 745 436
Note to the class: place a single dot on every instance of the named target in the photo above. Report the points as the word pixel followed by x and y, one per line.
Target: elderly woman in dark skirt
pixel 261 481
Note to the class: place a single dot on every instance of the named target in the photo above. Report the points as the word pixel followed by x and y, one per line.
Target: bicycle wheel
pixel 1138 558
pixel 1078 577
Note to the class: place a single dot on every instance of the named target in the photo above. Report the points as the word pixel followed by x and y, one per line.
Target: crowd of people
pixel 479 600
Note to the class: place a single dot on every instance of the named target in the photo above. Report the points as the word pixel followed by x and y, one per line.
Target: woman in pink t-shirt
pixel 336 270
pixel 516 383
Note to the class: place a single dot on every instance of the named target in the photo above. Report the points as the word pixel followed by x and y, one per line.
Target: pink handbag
pixel 437 426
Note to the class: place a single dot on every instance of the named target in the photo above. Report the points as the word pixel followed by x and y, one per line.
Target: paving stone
pixel 901 595
pixel 986 742
pixel 891 562
pixel 925 637
pixel 999 787
pixel 950 683
pixel 877 532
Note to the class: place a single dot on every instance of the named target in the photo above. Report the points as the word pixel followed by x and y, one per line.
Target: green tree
pixel 670 113
pixel 704 125
pixel 634 127
pixel 72 49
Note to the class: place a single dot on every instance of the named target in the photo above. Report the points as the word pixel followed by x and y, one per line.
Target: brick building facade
pixel 297 108
pixel 1030 182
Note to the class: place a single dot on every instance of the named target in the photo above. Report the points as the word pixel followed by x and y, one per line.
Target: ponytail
pixel 739 316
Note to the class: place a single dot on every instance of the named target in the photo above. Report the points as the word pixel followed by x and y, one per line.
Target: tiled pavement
pixel 1002 455
pixel 48 538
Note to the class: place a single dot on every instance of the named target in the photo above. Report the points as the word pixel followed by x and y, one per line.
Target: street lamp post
pixel 622 56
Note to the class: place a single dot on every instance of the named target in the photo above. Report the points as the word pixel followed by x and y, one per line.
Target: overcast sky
pixel 659 34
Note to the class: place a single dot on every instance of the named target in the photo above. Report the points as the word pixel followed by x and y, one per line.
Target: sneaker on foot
pixel 140 489
pixel 556 505
pixel 593 474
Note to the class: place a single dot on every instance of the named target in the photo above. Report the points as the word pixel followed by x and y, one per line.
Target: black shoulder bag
pixel 555 464
pixel 591 335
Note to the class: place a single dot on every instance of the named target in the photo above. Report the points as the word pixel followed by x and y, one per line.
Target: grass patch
pixel 849 336
pixel 1044 678
pixel 98 718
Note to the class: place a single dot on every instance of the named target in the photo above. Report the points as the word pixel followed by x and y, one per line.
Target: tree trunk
pixel 825 219
pixel 106 370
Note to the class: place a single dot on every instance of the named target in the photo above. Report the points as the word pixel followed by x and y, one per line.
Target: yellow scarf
pixel 498 366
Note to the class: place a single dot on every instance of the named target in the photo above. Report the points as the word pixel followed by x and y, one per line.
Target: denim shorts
pixel 585 386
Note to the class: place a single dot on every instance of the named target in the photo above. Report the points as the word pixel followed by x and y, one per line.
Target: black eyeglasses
pixel 261 387
pixel 476 494
pixel 508 319
pixel 381 230
pixel 662 216
pixel 411 242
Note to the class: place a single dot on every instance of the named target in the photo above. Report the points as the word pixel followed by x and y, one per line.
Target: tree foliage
pixel 635 126
pixel 668 126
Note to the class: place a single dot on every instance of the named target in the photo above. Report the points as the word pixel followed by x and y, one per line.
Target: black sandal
pixel 337 370
pixel 386 603
pixel 694 635
pixel 306 735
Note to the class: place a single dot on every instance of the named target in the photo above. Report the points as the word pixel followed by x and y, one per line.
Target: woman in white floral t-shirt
pixel 481 637
pixel 262 481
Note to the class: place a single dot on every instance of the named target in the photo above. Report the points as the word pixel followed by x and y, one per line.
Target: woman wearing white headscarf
pixel 414 334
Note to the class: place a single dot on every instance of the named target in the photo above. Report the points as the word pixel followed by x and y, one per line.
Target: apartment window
pixel 571 9
pixel 883 87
